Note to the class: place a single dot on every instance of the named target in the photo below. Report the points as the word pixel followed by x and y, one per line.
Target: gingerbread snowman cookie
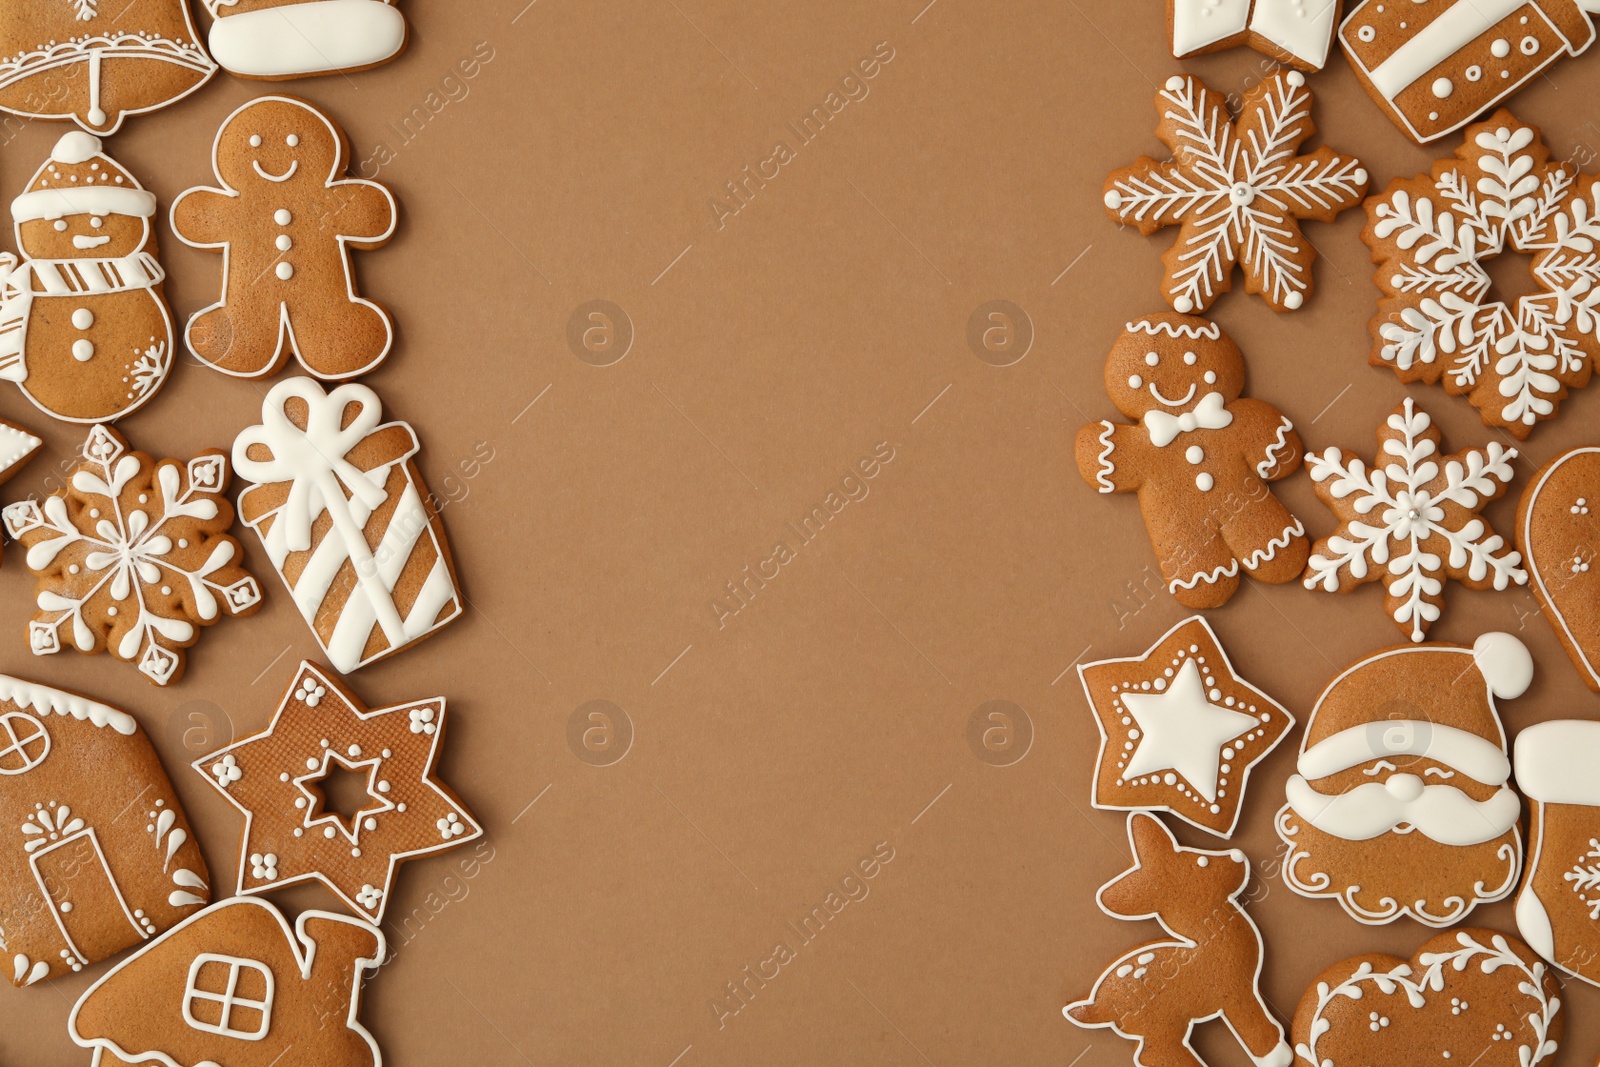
pixel 84 326
pixel 287 218
pixel 1200 456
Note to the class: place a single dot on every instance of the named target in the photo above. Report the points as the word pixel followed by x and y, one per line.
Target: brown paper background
pixel 830 314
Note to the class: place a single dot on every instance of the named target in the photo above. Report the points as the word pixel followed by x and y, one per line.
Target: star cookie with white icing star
pixel 298 828
pixel 1179 730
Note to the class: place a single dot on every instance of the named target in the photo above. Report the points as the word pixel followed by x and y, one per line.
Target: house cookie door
pixel 79 888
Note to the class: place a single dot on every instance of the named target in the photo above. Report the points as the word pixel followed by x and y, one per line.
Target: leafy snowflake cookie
pixel 133 556
pixel 1411 520
pixel 1237 190
pixel 1438 317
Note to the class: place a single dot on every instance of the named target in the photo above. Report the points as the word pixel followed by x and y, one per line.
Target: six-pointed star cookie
pixel 1179 730
pixel 292 830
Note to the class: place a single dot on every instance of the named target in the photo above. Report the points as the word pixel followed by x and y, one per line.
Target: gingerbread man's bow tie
pixel 1209 414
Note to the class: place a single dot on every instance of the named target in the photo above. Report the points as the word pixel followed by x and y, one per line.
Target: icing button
pixel 1241 194
pixel 1500 48
pixel 283 242
pixel 1204 482
pixel 1194 454
pixel 82 350
pixel 83 318
pixel 284 271
pixel 282 217
pixel 1442 87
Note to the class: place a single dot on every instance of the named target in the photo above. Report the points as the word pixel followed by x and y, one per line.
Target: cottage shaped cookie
pixel 276 39
pixel 133 556
pixel 1237 191
pixel 1199 456
pixel 287 218
pixel 101 853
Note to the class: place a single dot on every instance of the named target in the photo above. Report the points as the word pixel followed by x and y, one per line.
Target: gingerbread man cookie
pixel 287 218
pixel 1199 456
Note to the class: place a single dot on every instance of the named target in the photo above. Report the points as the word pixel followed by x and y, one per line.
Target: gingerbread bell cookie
pixel 1237 189
pixel 1412 520
pixel 287 218
pixel 1400 804
pixel 1439 318
pixel 292 833
pixel 1469 996
pixel 1208 967
pixel 84 327
pixel 346 520
pixel 133 556
pixel 1434 67
pixel 1558 906
pixel 1296 32
pixel 101 854
pixel 276 39
pixel 1179 729
pixel 1199 455
pixel 97 61
pixel 1558 533
pixel 236 986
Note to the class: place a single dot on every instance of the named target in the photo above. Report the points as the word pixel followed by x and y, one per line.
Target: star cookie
pixel 292 833
pixel 1237 190
pixel 1179 730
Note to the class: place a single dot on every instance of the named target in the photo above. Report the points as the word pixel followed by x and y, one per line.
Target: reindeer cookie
pixel 1199 456
pixel 286 217
pixel 1211 966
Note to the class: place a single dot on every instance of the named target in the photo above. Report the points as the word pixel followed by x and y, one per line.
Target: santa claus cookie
pixel 277 39
pixel 1199 455
pixel 1400 804
pixel 1434 66
pixel 1412 520
pixel 1237 190
pixel 1208 967
pixel 1558 906
pixel 84 327
pixel 97 61
pixel 287 218
pixel 133 556
pixel 1296 32
pixel 1469 996
pixel 1558 531
pixel 1179 729
pixel 1439 317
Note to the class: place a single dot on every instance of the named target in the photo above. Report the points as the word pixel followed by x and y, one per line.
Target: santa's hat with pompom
pixel 80 179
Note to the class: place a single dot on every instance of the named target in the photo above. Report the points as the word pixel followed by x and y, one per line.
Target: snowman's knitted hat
pixel 80 179
pixel 297 37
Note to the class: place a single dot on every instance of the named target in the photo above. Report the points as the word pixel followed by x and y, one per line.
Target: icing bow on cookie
pixel 1209 414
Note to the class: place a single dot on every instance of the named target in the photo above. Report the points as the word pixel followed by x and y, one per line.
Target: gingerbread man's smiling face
pixel 1169 362
pixel 275 141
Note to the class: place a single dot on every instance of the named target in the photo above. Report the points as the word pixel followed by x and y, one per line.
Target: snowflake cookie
pixel 1413 520
pixel 1237 190
pixel 1438 317
pixel 133 556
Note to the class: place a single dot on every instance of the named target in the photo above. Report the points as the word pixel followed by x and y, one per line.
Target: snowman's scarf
pixel 21 282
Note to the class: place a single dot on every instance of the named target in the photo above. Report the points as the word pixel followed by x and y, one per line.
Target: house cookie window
pixel 228 995
pixel 23 743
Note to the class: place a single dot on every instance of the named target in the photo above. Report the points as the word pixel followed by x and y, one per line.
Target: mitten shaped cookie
pixel 1199 456
pixel 286 217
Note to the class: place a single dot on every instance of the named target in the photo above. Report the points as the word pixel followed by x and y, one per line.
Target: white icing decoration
pixel 282 216
pixel 1442 88
pixel 1208 331
pixel 322 481
pixel 1204 482
pixel 1556 759
pixel 1194 454
pixel 1467 752
pixel 1209 414
pixel 315 37
pixel 1280 443
pixel 1262 555
pixel 1198 24
pixel 1500 48
pixel 43 701
pixel 1441 813
pixel 1106 466
pixel 1182 731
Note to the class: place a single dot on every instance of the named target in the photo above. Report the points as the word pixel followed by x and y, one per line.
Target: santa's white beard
pixel 1398 873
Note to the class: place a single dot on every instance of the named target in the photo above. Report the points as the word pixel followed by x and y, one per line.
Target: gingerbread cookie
pixel 1237 190
pixel 1558 906
pixel 1199 456
pixel 292 834
pixel 1179 729
pixel 102 856
pixel 277 39
pixel 1438 317
pixel 1434 67
pixel 1414 521
pixel 234 985
pixel 1469 996
pixel 1296 32
pixel 84 326
pixel 287 218
pixel 1558 536
pixel 346 520
pixel 17 446
pixel 1401 804
pixel 133 556
pixel 97 61
pixel 1157 991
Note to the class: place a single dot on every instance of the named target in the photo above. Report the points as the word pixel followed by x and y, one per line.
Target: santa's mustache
pixel 1441 812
